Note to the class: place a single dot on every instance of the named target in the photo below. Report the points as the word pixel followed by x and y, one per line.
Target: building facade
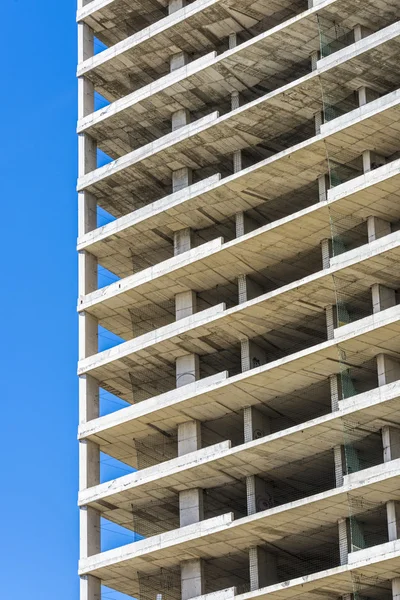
pixel 239 185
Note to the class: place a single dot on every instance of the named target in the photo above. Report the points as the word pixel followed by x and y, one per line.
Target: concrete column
pixel 244 224
pixel 382 297
pixel 191 509
pixel 183 241
pixel 326 251
pixel 360 32
pixel 187 369
pixel 175 5
pixel 377 228
pixel 263 568
pixel 314 58
pixel 393 519
pixel 252 355
pixel 396 588
pixel 181 178
pixel 323 187
pixel 318 121
pixel 178 60
pixel 192 579
pixel 90 588
pixel 388 369
pixel 344 540
pixel 180 118
pixel 259 495
pixel 371 160
pixel 331 321
pixel 248 289
pixel 390 442
pixel 366 95
pixel 189 437
pixel 340 465
pixel 256 424
pixel 185 304
pixel 334 384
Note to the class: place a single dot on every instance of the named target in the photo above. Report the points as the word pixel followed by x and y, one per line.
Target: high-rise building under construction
pixel 239 185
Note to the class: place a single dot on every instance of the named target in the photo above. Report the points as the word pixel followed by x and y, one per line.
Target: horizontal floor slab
pixel 220 464
pixel 221 536
pixel 202 143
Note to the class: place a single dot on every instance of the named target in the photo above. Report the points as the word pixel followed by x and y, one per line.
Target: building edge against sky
pixel 239 243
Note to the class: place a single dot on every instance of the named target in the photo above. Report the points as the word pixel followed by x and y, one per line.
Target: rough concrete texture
pixel 253 193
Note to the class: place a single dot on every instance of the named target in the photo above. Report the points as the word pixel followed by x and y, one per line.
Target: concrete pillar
pixel 323 187
pixel 326 251
pixel 187 369
pixel 89 453
pixel 331 321
pixel 360 32
pixel 393 519
pixel 192 579
pixel 390 442
pixel 191 509
pixel 388 369
pixel 181 178
pixel 90 588
pixel 185 304
pixel 180 118
pixel 366 95
pixel 318 120
pixel 183 241
pixel 396 588
pixel 259 495
pixel 189 437
pixel 340 464
pixel 256 424
pixel 178 60
pixel 372 160
pixel 244 224
pixel 377 228
pixel 248 289
pixel 175 5
pixel 334 385
pixel 263 568
pixel 314 58
pixel 344 540
pixel 382 297
pixel 252 355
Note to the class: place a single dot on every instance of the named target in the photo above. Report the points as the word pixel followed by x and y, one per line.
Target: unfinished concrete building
pixel 251 189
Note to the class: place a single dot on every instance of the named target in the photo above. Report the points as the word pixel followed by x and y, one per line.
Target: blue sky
pixel 39 539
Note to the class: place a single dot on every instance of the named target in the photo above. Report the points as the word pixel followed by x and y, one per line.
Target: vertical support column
pixel 360 32
pixel 388 369
pixel 192 579
pixel 396 588
pixel 314 58
pixel 89 453
pixel 377 228
pixel 344 540
pixel 244 224
pixel 331 321
pixel 372 160
pixel 335 389
pixel 175 5
pixel 259 495
pixel 235 103
pixel 382 297
pixel 323 187
pixel 248 289
pixel 183 241
pixel 183 177
pixel 252 355
pixel 390 443
pixel 340 465
pixel 366 95
pixel 393 519
pixel 326 252
pixel 318 121
pixel 263 568
pixel 256 424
